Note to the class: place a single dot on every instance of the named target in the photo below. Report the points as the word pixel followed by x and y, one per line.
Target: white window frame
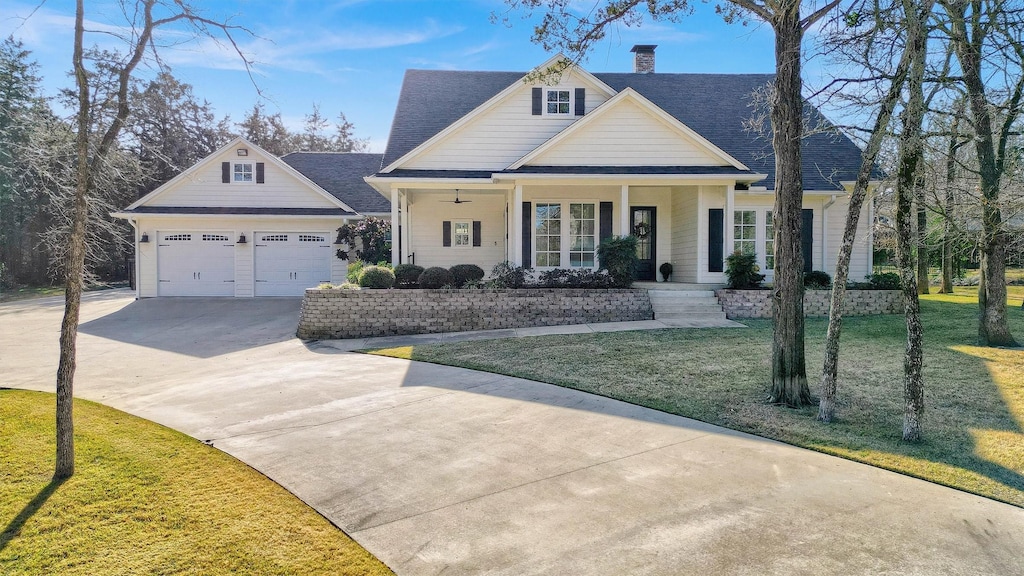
pixel 570 104
pixel 565 233
pixel 235 172
pixel 456 234
pixel 761 240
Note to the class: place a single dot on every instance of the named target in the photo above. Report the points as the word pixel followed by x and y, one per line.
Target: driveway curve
pixel 439 470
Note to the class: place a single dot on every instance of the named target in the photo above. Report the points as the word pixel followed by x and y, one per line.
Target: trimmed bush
pixel 581 278
pixel 742 271
pixel 463 273
pixel 817 280
pixel 506 275
pixel 617 255
pixel 436 277
pixel 355 268
pixel 884 281
pixel 407 275
pixel 376 277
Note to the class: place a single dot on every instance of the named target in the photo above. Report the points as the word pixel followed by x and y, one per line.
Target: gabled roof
pixel 715 106
pixel 341 174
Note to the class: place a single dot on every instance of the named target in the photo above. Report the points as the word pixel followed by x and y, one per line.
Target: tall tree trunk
pixel 74 265
pixel 922 244
pixel 789 371
pixel 830 369
pixel 948 206
pixel 908 182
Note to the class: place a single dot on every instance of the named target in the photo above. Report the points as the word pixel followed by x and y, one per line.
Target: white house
pixel 243 222
pixel 483 167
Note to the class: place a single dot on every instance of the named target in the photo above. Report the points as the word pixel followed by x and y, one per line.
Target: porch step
pixel 688 305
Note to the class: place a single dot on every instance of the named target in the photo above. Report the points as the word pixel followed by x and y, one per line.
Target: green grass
pixel 148 500
pixel 974 419
pixel 27 292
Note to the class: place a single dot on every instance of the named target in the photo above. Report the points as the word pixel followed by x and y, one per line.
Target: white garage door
pixel 289 262
pixel 196 264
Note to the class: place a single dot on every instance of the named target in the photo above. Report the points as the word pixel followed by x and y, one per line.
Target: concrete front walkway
pixel 442 470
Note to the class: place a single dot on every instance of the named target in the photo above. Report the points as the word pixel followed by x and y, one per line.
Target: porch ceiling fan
pixel 457 201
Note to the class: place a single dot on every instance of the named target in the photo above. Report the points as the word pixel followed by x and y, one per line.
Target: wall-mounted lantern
pixel 144 239
pixel 241 238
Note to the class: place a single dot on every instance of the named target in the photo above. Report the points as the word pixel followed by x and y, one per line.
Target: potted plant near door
pixel 666 271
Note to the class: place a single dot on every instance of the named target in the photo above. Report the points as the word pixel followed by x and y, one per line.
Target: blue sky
pixel 350 55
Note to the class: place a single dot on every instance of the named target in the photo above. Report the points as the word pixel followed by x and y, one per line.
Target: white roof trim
pixel 494 101
pixel 173 182
pixel 628 94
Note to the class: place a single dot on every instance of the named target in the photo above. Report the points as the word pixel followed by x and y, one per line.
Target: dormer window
pixel 558 102
pixel 243 172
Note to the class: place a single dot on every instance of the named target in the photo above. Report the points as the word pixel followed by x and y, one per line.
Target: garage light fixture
pixel 144 239
pixel 241 238
pixel 243 151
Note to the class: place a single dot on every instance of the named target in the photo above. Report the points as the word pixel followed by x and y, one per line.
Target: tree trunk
pixel 947 220
pixel 830 369
pixel 922 244
pixel 789 371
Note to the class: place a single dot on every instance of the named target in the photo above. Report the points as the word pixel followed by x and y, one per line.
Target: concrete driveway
pixel 440 470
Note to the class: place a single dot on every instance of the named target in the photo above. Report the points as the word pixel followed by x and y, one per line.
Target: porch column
pixel 624 229
pixel 395 222
pixel 516 233
pixel 730 201
pixel 406 228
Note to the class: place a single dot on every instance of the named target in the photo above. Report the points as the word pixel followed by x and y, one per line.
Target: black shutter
pixel 527 228
pixel 807 238
pixel 581 101
pixel 225 172
pixel 538 102
pixel 477 241
pixel 260 173
pixel 605 231
pixel 716 239
pixel 446 233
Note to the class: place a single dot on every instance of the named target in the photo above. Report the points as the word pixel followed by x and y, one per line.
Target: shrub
pixel 742 270
pixel 581 278
pixel 463 273
pixel 349 286
pixel 368 238
pixel 666 271
pixel 884 281
pixel 817 280
pixel 618 256
pixel 355 267
pixel 407 275
pixel 376 277
pixel 506 275
pixel 436 277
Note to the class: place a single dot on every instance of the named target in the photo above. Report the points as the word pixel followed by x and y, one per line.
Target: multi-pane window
pixel 243 173
pixel 769 240
pixel 582 238
pixel 744 231
pixel 558 102
pixel 461 235
pixel 549 235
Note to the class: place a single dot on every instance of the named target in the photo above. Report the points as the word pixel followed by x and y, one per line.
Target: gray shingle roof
pixel 341 174
pixel 714 105
pixel 239 210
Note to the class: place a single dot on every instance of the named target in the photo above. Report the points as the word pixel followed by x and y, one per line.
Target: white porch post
pixel 727 226
pixel 406 228
pixel 516 233
pixel 624 211
pixel 395 222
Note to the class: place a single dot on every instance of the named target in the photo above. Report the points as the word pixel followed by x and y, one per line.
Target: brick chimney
pixel 643 59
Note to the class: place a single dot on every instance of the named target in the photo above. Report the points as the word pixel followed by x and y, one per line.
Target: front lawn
pixel 148 500
pixel 974 420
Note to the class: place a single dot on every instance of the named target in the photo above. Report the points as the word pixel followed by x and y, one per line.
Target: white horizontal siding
pixel 627 135
pixel 203 187
pixel 429 210
pixel 502 135
pixel 685 234
pixel 836 224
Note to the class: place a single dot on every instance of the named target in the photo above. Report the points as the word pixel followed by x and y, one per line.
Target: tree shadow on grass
pixel 14 527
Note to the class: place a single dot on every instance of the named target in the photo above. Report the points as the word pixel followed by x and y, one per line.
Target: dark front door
pixel 643 222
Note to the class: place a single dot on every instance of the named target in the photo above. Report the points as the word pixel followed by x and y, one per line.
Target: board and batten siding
pixel 685 234
pixel 502 135
pixel 430 209
pixel 626 135
pixel 204 188
pixel 146 260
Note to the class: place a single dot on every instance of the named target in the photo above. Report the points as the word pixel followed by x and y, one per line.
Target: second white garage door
pixel 289 262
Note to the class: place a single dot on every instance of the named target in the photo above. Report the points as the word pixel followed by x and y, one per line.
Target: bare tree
pixel 144 17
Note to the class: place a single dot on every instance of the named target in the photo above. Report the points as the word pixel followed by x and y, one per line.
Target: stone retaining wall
pixel 758 303
pixel 335 313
